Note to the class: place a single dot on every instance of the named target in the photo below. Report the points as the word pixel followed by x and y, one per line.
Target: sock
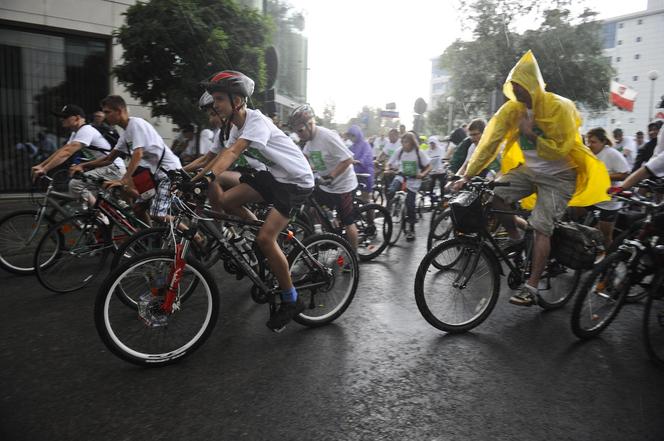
pixel 531 289
pixel 289 295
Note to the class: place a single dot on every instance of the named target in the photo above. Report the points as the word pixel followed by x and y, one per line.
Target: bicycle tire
pixel 114 320
pixel 586 320
pixel 441 229
pixel 19 240
pixel 398 213
pixel 653 323
pixel 562 290
pixel 633 295
pixel 343 270
pixel 368 228
pixel 67 262
pixel 429 292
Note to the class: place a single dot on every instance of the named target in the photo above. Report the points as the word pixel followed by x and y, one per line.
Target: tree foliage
pixel 567 47
pixel 171 45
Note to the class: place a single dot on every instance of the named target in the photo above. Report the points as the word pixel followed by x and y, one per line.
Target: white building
pixel 634 43
pixel 440 83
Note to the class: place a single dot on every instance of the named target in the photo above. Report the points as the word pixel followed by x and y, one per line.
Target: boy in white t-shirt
pixel 85 138
pixel 286 183
pixel 332 161
pixel 437 153
pixel 413 165
pixel 147 151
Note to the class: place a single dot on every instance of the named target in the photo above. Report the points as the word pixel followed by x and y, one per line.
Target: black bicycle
pixel 458 282
pixel 159 307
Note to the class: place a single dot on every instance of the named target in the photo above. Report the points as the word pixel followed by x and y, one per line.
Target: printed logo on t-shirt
pixel 253 152
pixel 317 160
pixel 241 162
pixel 409 168
pixel 527 144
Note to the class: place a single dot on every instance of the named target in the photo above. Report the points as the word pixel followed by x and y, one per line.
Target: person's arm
pixel 635 178
pixel 127 181
pixel 340 168
pixel 558 144
pixel 425 171
pixel 617 176
pixel 224 159
pixel 101 162
pixel 57 158
pixel 199 162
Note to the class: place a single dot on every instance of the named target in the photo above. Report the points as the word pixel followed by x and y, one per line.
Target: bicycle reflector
pixel 340 261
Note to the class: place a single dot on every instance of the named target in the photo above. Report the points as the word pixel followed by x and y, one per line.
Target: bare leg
pixel 351 233
pixel 607 231
pixel 232 201
pixel 507 220
pixel 541 250
pixel 267 242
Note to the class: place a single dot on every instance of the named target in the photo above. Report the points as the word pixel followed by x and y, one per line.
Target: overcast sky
pixel 371 52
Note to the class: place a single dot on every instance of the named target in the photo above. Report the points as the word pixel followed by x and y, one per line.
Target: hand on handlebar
pixel 37 171
pixel 74 169
pixel 458 184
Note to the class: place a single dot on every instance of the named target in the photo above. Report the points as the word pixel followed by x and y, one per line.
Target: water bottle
pixel 318 228
pixel 243 245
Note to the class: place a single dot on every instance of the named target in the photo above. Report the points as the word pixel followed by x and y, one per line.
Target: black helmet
pixel 230 81
pixel 300 116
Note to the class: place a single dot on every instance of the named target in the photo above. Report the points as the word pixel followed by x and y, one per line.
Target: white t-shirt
pixel 615 162
pixel 140 133
pixel 379 144
pixel 659 148
pixel 269 145
pixel 95 143
pixel 243 160
pixel 628 149
pixel 437 155
pixel 539 165
pixel 407 163
pixel 656 165
pixel 391 147
pixel 205 141
pixel 325 151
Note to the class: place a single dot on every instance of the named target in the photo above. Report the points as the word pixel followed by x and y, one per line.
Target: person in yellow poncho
pixel 543 155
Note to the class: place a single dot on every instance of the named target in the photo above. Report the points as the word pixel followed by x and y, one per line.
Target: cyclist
pixel 543 154
pixel 150 159
pixel 413 165
pixel 618 168
pixel 363 162
pixel 286 183
pixel 437 154
pixel 87 139
pixel 332 161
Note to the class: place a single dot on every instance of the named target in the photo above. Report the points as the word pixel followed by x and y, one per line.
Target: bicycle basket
pixel 467 212
pixel 576 246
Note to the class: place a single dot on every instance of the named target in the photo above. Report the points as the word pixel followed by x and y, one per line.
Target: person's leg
pixel 233 200
pixel 410 214
pixel 521 185
pixel 346 213
pixel 267 242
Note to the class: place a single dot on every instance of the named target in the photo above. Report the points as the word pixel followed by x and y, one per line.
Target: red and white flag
pixel 623 96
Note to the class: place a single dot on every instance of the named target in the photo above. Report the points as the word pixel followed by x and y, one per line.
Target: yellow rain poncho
pixel 558 118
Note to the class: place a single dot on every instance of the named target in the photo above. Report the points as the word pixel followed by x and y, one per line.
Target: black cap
pixel 70 110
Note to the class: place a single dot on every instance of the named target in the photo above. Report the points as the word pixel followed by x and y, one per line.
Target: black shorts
pixel 606 215
pixel 342 202
pixel 284 197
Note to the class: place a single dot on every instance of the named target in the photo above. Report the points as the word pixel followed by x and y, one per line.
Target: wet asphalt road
pixel 380 372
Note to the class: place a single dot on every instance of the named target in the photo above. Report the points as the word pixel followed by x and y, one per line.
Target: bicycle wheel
pixel 340 275
pixel 463 294
pixel 653 323
pixel 72 253
pixel 639 290
pixel 374 229
pixel 19 236
pixel 441 229
pixel 377 196
pixel 147 335
pixel 557 285
pixel 601 296
pixel 144 241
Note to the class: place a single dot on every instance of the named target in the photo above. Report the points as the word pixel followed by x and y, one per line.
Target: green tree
pixel 171 45
pixel 568 49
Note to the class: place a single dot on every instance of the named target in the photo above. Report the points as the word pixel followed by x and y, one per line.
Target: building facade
pixel 440 83
pixel 633 43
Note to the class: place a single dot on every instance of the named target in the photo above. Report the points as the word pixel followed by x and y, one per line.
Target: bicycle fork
pixel 468 266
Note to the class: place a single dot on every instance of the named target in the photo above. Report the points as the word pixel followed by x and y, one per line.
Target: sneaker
pixel 285 314
pixel 527 296
pixel 410 235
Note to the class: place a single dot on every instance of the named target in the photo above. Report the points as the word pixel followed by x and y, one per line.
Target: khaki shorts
pixel 553 194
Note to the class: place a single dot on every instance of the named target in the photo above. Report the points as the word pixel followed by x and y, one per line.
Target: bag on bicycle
pixel 467 212
pixel 575 245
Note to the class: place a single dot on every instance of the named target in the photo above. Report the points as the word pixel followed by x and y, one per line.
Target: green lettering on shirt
pixel 316 158
pixel 527 144
pixel 409 168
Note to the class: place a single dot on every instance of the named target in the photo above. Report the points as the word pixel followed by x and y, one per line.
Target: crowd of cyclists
pixel 257 174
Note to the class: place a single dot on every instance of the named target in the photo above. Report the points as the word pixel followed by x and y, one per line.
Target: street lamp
pixel 450 100
pixel 653 74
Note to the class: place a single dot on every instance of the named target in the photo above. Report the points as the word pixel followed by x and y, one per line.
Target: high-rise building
pixel 633 42
pixel 440 83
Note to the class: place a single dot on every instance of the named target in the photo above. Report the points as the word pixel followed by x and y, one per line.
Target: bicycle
pixel 631 266
pixel 457 283
pixel 653 315
pixel 74 250
pixel 21 230
pixel 373 222
pixel 175 298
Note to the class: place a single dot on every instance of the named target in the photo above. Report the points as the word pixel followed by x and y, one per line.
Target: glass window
pixel 638 39
pixel 637 56
pixel 635 78
pixel 640 21
pixel 609 31
pixel 619 42
pixel 621 25
pixel 41 73
pixel 617 59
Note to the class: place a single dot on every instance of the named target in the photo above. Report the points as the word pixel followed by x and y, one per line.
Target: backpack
pixel 575 245
pixel 111 135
